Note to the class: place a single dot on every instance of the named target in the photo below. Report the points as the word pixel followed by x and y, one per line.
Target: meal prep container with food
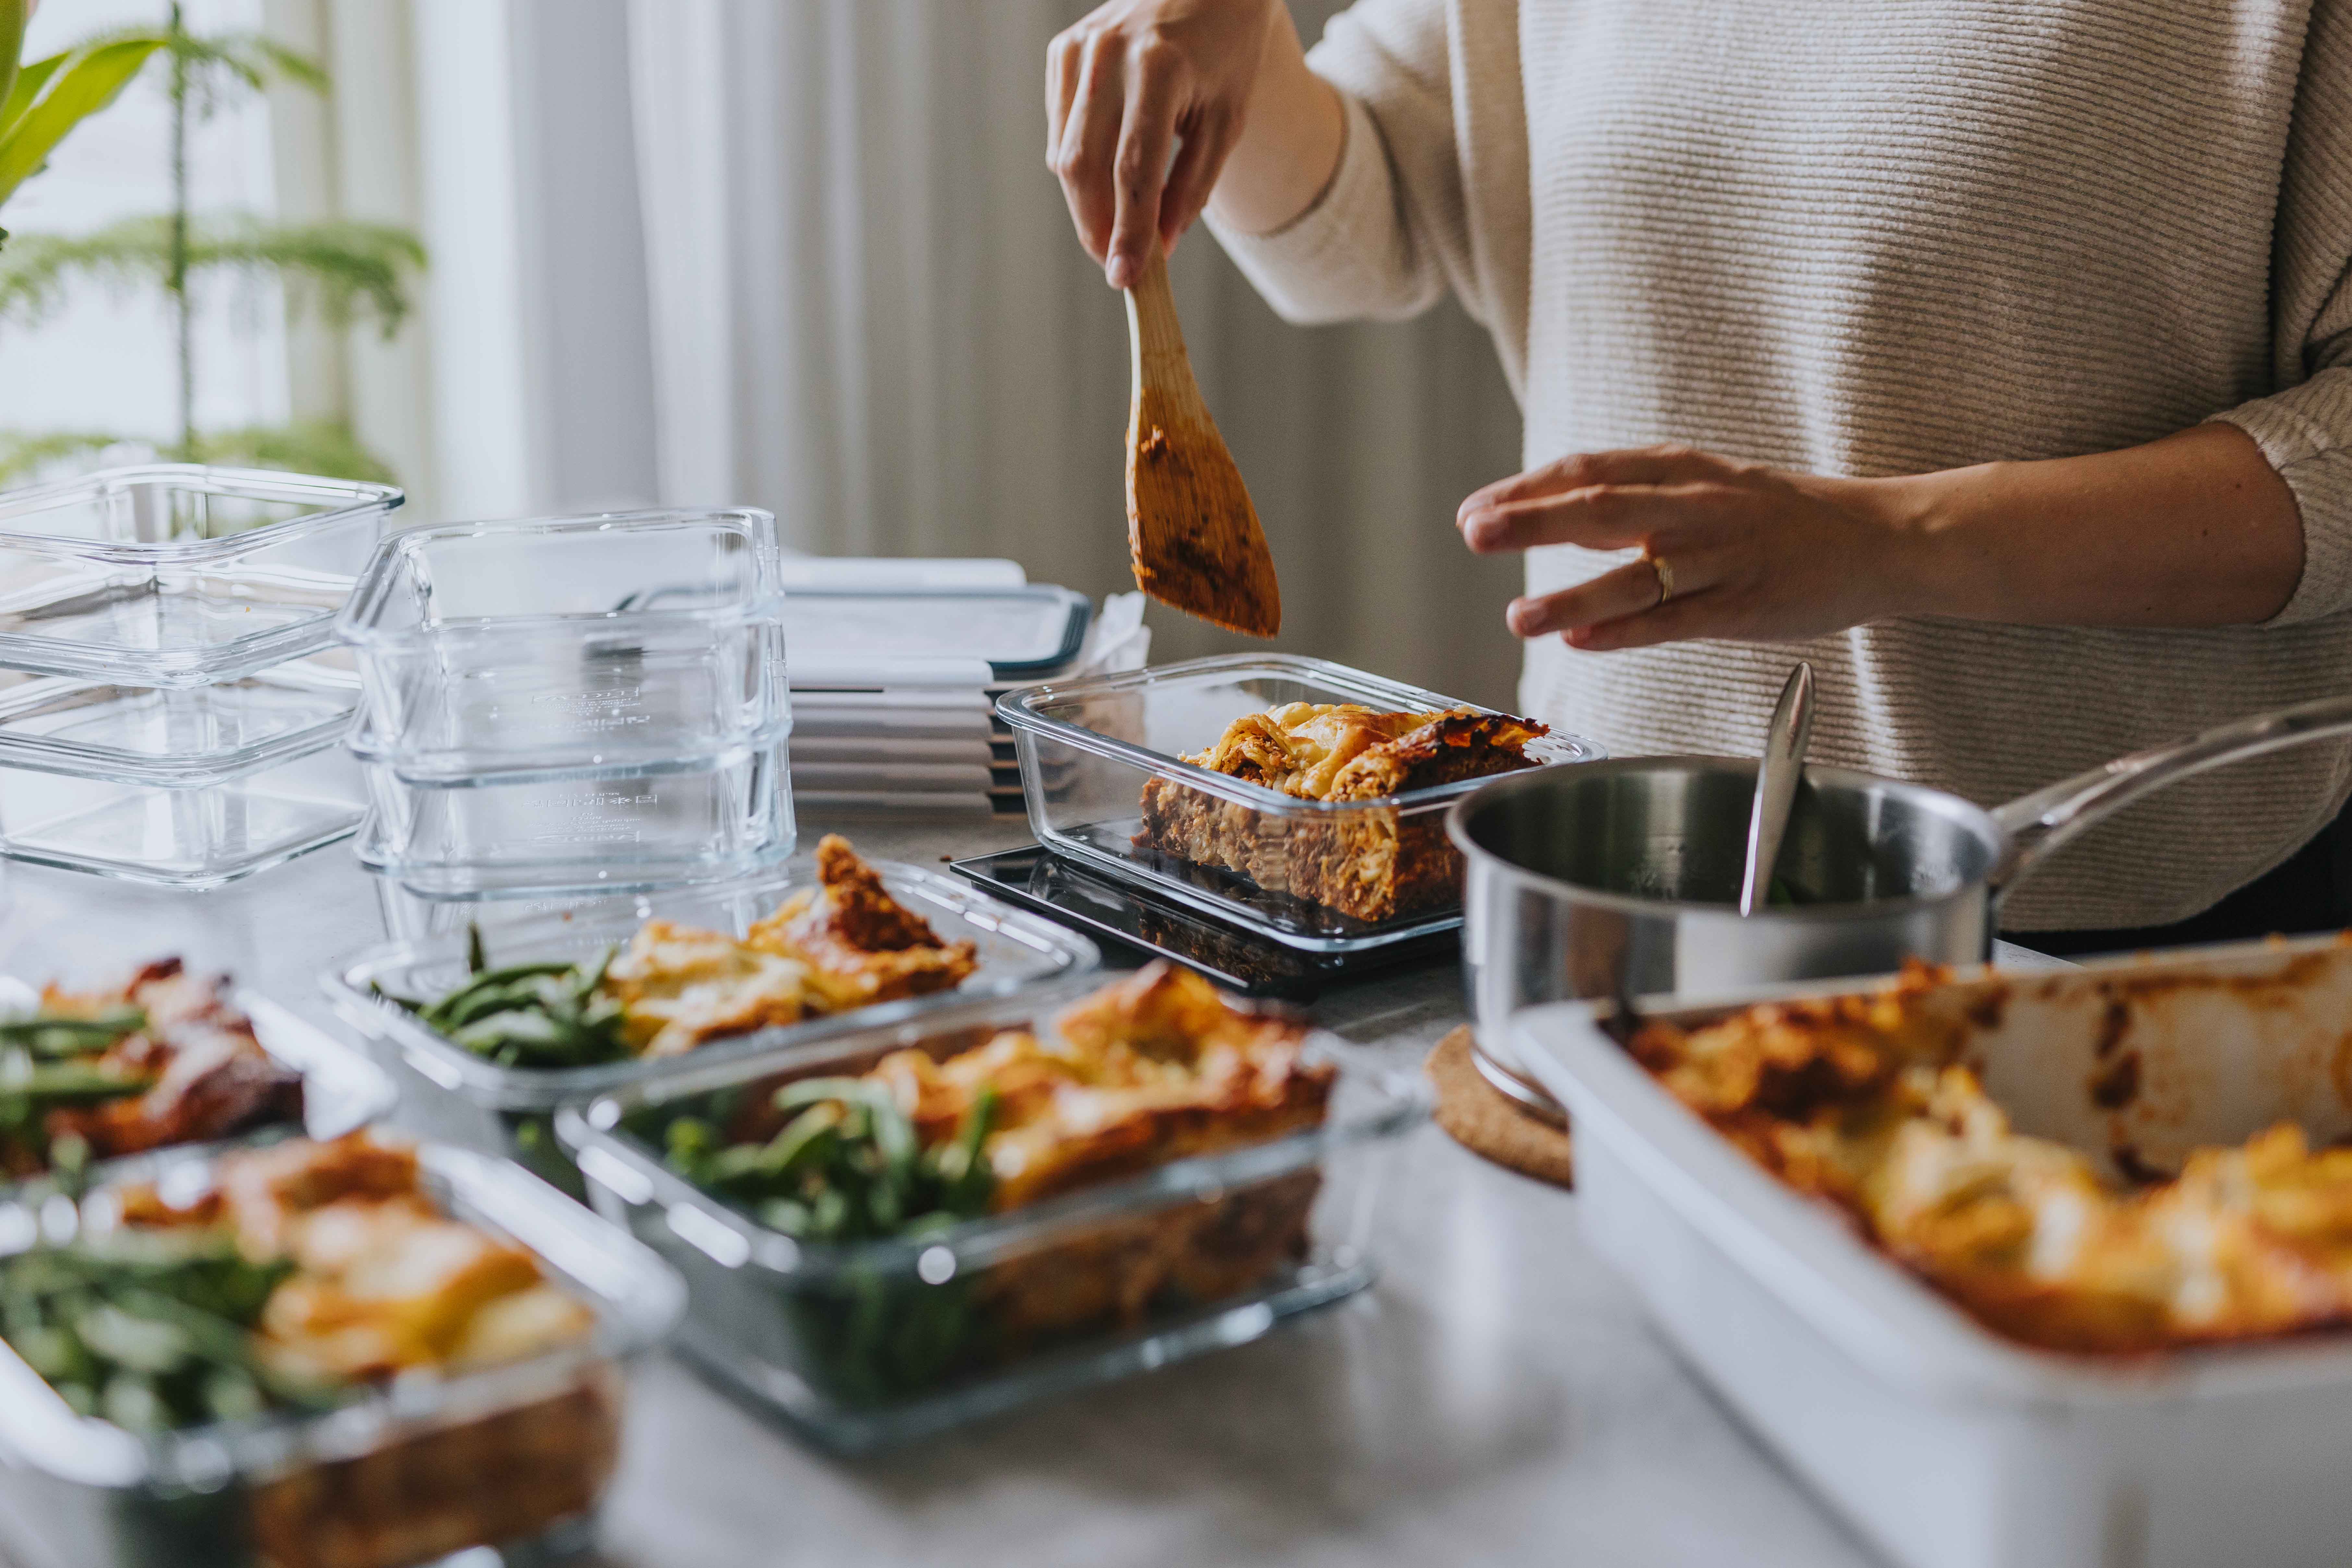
pixel 194 834
pixel 515 1457
pixel 1624 876
pixel 555 646
pixel 1088 748
pixel 343 1091
pixel 175 575
pixel 457 1096
pixel 1946 1445
pixel 869 1343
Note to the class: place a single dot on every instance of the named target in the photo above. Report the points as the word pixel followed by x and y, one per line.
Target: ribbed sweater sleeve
pixel 1431 190
pixel 2305 429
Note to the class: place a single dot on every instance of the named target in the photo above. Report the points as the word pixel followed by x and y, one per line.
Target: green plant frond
pixel 323 447
pixel 24 454
pixel 220 65
pixel 12 47
pixel 344 270
pixel 70 88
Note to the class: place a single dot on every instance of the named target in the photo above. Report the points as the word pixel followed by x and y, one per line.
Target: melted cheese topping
pixel 1301 748
pixel 679 986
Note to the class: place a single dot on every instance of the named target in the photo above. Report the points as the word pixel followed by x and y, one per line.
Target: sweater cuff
pixel 1325 264
pixel 2306 432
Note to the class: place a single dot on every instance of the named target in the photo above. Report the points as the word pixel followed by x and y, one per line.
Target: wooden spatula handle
pixel 1157 341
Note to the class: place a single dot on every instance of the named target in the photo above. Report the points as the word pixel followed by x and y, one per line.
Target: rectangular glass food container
pixel 548 646
pixel 512 1457
pixel 191 835
pixel 696 819
pixel 461 1098
pixel 1944 1444
pixel 175 575
pixel 343 1091
pixel 1088 747
pixel 866 1344
pixel 186 736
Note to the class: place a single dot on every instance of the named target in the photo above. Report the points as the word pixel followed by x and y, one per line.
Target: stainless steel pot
pixel 1622 877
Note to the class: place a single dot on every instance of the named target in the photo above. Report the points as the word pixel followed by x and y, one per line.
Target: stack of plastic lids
pixel 169 704
pixel 896 666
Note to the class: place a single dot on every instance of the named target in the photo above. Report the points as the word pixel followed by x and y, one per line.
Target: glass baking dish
pixel 1089 749
pixel 556 644
pixel 184 735
pixel 175 575
pixel 191 834
pixel 695 819
pixel 866 1344
pixel 457 1096
pixel 513 1456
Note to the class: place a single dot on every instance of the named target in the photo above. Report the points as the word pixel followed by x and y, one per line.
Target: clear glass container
pixel 175 575
pixel 868 1343
pixel 1092 751
pixel 192 834
pixel 184 735
pixel 555 644
pixel 701 818
pixel 455 1095
pixel 421 1468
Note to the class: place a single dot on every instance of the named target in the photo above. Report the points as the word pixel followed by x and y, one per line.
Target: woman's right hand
pixel 1134 78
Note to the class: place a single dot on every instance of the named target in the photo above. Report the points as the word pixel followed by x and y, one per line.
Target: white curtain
pixel 869 313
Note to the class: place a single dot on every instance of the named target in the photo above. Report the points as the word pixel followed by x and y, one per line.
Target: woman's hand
pixel 1223 85
pixel 2196 530
pixel 1755 554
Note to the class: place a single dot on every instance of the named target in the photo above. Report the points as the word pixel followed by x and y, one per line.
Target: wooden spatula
pixel 1189 525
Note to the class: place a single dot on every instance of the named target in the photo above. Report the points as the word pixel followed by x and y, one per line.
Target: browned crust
pixel 865 945
pixel 1370 865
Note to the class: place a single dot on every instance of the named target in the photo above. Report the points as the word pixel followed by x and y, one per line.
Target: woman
pixel 2004 348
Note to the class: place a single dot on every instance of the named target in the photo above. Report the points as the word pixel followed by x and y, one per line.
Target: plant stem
pixel 177 281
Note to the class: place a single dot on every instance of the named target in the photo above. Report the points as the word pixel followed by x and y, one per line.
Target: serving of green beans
pixel 847 1167
pixel 47 1062
pixel 544 1015
pixel 150 1332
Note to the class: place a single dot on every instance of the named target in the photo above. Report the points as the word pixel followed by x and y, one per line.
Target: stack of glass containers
pixel 169 699
pixel 574 705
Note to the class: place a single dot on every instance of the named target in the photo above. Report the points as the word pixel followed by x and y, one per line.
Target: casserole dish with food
pixel 1301 800
pixel 925 1223
pixel 353 1354
pixel 2043 1269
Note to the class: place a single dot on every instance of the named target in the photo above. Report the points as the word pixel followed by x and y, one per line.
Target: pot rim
pixel 1996 839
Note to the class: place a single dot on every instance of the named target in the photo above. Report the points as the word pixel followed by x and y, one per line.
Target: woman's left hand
pixel 1752 554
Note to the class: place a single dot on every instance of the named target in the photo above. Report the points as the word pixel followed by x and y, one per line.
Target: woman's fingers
pixel 1090 135
pixel 1702 614
pixel 1061 87
pixel 1139 166
pixel 1602 517
pixel 1583 471
pixel 1628 590
pixel 1198 160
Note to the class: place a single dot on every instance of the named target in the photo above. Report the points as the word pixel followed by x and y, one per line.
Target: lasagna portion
pixel 165 1059
pixel 1154 1067
pixel 305 1272
pixel 1369 865
pixel 1861 1102
pixel 843 943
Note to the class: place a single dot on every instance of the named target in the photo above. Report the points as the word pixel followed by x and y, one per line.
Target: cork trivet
pixel 1488 1122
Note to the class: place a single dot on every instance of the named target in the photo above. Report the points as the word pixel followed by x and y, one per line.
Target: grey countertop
pixel 1496 1397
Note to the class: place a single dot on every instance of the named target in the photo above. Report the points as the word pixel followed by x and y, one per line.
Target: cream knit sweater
pixel 1884 236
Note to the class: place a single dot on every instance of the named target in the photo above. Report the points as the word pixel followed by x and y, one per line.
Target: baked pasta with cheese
pixel 304 1274
pixel 1863 1101
pixel 1156 1068
pixel 1373 864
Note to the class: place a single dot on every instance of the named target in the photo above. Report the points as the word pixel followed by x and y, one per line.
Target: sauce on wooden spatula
pixel 1195 535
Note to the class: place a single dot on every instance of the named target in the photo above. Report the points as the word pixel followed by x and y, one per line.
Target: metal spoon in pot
pixel 1777 777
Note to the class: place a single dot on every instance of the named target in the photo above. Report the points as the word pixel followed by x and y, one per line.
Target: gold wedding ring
pixel 1665 577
